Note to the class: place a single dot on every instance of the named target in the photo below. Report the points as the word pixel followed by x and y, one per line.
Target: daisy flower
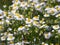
pixel 36 18
pixel 47 35
pixel 21 28
pixel 55 27
pixel 10 37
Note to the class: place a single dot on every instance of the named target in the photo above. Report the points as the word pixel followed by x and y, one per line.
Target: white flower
pixel 36 18
pixel 21 28
pixel 37 6
pixel 47 35
pixel 46 15
pixel 52 11
pixel 18 16
pixel 55 26
pixel 18 43
pixel 23 4
pixel 10 37
pixel 35 23
pixel 3 38
pixel 28 21
pixel 14 6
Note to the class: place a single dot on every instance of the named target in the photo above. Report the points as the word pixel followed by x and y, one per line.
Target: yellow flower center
pixel 18 15
pixel 21 26
pixel 38 6
pixel 10 37
pixel 28 20
pixel 11 42
pixel 58 8
pixel 36 16
pixel 16 0
pixel 9 16
pixel 52 11
pixel 15 5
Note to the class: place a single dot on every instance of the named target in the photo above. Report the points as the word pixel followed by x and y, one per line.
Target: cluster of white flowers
pixel 14 23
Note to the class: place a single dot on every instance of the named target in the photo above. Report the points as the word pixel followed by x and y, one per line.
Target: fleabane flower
pixel 35 23
pixel 37 6
pixel 23 4
pixel 29 21
pixel 36 17
pixel 57 7
pixel 55 27
pixel 18 16
pixel 14 6
pixel 3 38
pixel 46 15
pixel 47 35
pixel 10 37
pixel 52 11
pixel 21 28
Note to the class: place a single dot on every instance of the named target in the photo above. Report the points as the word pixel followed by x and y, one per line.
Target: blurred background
pixel 9 2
